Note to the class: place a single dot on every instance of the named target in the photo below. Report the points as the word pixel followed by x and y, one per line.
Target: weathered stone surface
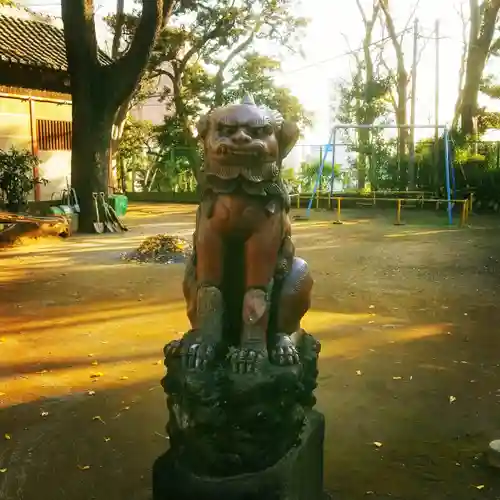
pixel 296 476
pixel 224 423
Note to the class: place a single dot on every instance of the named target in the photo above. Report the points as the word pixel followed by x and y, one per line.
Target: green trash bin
pixel 119 202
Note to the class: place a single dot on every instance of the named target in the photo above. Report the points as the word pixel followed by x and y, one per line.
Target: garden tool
pixel 110 226
pixel 98 225
pixel 116 219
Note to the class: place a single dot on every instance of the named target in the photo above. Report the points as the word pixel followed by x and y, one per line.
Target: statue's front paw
pixel 247 359
pixel 172 349
pixel 284 352
pixel 198 355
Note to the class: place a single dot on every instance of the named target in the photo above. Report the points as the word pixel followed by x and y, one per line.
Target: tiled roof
pixel 32 41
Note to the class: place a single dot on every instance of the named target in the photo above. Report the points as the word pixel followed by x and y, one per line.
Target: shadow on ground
pixel 408 377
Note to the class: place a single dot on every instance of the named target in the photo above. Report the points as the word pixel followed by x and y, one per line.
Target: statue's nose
pixel 241 137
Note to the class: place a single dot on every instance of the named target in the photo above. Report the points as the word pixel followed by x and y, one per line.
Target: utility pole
pixel 411 166
pixel 436 109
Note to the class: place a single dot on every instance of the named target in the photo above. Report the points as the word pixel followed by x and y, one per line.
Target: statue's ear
pixel 288 136
pixel 202 126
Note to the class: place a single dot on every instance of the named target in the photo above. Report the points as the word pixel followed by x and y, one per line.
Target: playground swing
pixel 450 181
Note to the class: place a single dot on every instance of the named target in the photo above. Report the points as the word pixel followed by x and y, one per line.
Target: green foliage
pixel 366 103
pixel 17 178
pixel 149 160
pixel 255 74
pixel 363 103
pixel 208 54
pixel 308 175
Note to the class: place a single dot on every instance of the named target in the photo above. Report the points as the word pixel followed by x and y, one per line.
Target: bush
pixel 17 177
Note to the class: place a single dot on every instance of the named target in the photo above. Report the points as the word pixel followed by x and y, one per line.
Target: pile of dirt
pixel 161 249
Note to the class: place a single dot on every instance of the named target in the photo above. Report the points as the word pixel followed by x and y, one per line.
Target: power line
pixel 344 54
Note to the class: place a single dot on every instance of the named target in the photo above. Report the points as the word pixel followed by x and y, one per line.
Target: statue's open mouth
pixel 225 151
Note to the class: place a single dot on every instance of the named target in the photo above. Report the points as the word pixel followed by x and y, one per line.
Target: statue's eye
pixel 227 130
pixel 267 130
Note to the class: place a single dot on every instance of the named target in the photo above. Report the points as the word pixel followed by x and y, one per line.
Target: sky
pixel 336 28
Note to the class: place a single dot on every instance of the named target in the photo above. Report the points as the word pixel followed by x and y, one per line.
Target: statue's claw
pixel 172 349
pixel 284 353
pixel 247 359
pixel 198 355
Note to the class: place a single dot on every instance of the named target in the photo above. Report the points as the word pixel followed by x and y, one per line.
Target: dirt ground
pixel 409 375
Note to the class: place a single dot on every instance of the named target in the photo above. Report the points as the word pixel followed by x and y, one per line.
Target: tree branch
pixel 410 19
pixel 391 29
pixel 219 77
pixel 210 35
pixel 117 35
pixel 125 73
pixel 362 12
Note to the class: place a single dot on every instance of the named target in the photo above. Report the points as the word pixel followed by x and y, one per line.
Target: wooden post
pixel 34 145
pixel 398 214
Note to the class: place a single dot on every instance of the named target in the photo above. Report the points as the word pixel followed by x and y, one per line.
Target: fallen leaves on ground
pixel 161 248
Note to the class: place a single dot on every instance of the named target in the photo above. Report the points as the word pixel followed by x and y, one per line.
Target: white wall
pixel 15 130
pixel 56 168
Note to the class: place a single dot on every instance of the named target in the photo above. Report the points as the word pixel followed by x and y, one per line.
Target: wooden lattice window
pixel 53 135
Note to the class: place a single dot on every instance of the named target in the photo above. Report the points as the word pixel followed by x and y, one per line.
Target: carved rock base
pixel 297 476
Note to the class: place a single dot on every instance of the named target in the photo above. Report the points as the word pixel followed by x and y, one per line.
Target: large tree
pixel 402 79
pixel 98 90
pixel 483 18
pixel 364 97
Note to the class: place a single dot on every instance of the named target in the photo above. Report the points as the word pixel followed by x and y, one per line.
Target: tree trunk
pixel 482 29
pixel 90 155
pixel 364 142
pixel 98 90
pixel 402 91
pixel 461 72
pixel 367 109
pixel 402 119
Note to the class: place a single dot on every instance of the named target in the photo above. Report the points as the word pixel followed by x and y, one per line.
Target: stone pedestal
pixel 297 476
pixel 242 436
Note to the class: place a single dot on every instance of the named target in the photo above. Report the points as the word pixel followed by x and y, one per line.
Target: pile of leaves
pixel 161 249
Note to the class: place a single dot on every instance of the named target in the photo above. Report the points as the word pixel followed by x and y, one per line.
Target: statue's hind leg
pixel 293 303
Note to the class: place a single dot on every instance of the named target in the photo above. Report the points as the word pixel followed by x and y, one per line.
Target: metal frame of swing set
pixel 331 146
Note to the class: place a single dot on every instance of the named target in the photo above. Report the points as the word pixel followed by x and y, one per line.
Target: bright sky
pixel 332 21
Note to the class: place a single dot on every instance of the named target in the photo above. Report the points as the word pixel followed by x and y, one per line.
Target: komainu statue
pixel 240 383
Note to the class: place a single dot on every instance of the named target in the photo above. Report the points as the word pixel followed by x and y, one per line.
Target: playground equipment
pixel 331 146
